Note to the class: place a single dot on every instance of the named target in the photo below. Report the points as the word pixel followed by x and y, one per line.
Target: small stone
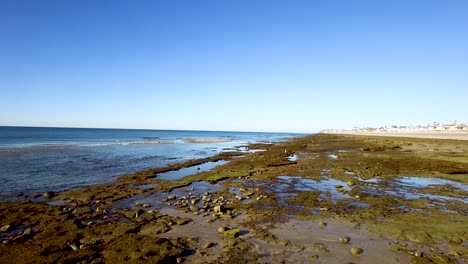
pixel 208 245
pixel 418 253
pixel 138 213
pixel 219 209
pixel 146 205
pixel 194 208
pixel 6 242
pixel 137 204
pixel 350 183
pixel 356 251
pixel 73 246
pixel 28 231
pixel 223 229
pixel 171 197
pixel 344 240
pixel 357 197
pixel 179 260
pixel 322 224
pixel 5 228
pixel 48 195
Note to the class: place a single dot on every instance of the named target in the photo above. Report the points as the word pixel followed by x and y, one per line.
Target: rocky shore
pixel 324 198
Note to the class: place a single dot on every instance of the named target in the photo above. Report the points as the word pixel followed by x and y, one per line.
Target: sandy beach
pixel 325 198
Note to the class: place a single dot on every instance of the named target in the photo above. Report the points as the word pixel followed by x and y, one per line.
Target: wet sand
pixel 323 198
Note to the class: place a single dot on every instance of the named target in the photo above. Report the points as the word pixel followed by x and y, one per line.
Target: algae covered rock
pixel 235 232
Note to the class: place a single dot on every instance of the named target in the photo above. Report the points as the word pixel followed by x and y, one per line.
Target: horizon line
pixel 160 129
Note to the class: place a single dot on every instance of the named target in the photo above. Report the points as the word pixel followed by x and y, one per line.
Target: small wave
pixel 206 140
pixel 150 142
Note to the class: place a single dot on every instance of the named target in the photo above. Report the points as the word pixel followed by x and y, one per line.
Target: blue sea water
pixel 40 159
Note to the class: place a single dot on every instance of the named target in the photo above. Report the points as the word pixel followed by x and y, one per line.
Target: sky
pixel 283 66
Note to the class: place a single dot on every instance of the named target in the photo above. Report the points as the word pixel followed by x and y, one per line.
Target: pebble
pixel 48 194
pixel 5 228
pixel 146 205
pixel 356 251
pixel 208 245
pixel 350 183
pixel 28 231
pixel 322 224
pixel 171 197
pixel 223 229
pixel 137 204
pixel 6 242
pixel 344 240
pixel 73 246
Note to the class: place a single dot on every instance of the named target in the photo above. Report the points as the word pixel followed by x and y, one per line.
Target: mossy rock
pixel 235 232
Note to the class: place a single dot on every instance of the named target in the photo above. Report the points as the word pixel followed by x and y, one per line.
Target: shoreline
pixel 456 135
pixel 332 192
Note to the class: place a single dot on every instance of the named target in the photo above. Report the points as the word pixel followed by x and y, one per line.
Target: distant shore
pixel 457 135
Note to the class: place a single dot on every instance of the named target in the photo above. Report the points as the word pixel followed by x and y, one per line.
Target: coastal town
pixel 434 127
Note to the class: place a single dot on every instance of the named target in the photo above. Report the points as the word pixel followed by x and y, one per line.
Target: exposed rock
pixel 235 232
pixel 356 251
pixel 48 195
pixel 5 228
pixel 223 229
pixel 344 240
pixel 219 209
pixel 183 221
pixel 73 246
pixel 208 245
pixel 154 228
pixel 28 231
pixel 321 247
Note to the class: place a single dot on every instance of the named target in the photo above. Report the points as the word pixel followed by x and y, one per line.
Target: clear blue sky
pixel 233 65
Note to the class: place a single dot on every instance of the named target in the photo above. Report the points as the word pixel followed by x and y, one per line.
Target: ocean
pixel 37 159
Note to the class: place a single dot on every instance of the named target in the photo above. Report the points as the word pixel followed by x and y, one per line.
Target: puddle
pixel 287 186
pixel 359 204
pixel 372 180
pixel 410 188
pixel 57 202
pixel 181 173
pixel 428 182
pixel 292 157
